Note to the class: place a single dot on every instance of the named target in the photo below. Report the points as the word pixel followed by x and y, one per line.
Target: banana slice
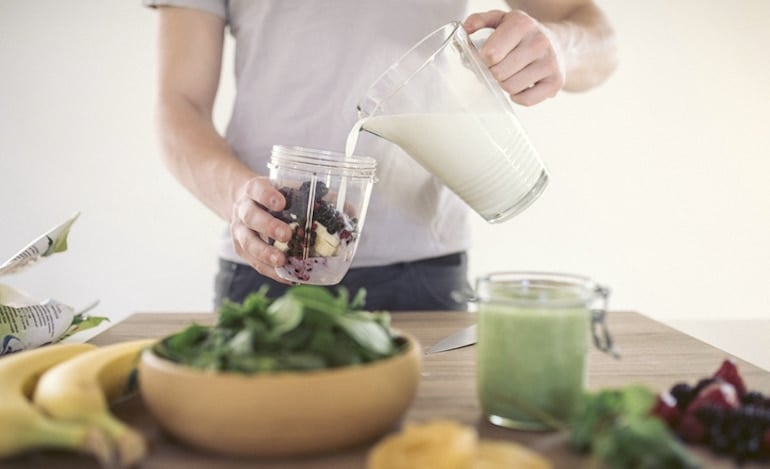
pixel 445 444
pixel 325 242
pixel 503 454
pixel 439 444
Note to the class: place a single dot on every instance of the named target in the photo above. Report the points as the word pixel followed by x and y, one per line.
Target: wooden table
pixel 653 354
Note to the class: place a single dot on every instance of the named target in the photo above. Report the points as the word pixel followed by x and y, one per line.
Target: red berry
pixel 719 393
pixel 665 407
pixel 729 372
pixel 691 429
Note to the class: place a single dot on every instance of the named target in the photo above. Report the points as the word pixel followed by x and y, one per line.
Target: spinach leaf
pixel 307 328
pixel 367 332
pixel 284 314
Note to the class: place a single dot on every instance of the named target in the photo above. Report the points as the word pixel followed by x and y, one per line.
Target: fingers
pixel 255 218
pixel 260 190
pixel 512 35
pixel 520 54
pixel 535 94
pixel 533 84
pixel 251 227
pixel 487 19
pixel 251 248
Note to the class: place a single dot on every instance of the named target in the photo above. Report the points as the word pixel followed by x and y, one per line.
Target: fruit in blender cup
pixel 328 233
pixel 329 228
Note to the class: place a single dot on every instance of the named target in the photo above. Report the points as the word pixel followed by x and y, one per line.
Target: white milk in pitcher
pixel 485 159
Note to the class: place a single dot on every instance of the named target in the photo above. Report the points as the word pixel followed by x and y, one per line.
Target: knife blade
pixel 459 339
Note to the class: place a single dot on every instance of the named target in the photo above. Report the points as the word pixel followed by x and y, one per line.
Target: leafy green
pixel 617 427
pixel 307 328
pixel 82 322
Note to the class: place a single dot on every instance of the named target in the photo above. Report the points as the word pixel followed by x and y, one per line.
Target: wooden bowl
pixel 280 414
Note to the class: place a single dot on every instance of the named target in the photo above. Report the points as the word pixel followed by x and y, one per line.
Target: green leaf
pixel 82 322
pixel 284 314
pixel 617 426
pixel 59 242
pixel 233 315
pixel 307 328
pixel 367 332
pixel 359 300
pixel 242 343
pixel 642 443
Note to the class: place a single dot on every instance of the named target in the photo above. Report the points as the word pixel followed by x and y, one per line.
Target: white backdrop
pixel 658 177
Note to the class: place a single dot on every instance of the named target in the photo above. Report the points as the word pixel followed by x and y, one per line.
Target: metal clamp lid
pixel 599 330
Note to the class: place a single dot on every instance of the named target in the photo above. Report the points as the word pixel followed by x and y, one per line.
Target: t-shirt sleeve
pixel 215 7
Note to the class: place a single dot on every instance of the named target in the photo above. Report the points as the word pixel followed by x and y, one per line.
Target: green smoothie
pixel 531 361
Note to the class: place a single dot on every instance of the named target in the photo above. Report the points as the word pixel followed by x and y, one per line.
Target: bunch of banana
pixel 79 390
pixel 22 426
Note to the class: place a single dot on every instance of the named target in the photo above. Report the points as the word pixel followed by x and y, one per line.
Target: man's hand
pixel 251 225
pixel 521 53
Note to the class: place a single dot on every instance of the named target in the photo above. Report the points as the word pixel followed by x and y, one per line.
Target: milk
pixel 485 159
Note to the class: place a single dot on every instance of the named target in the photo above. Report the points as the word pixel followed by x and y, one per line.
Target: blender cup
pixel 327 196
pixel 443 107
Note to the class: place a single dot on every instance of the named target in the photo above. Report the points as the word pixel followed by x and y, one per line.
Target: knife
pixel 459 339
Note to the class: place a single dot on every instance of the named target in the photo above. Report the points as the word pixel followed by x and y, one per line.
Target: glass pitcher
pixel 441 105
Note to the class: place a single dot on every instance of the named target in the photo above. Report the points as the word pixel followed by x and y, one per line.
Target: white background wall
pixel 659 177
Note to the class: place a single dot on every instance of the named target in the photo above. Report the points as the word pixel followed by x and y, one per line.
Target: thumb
pixel 486 19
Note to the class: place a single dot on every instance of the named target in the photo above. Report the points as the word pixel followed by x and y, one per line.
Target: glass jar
pixel 327 195
pixel 534 332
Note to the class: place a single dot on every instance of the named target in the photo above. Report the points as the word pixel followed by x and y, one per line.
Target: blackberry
pixel 683 393
pixel 710 413
pixel 735 432
pixel 702 384
pixel 324 213
pixel 753 397
pixel 320 190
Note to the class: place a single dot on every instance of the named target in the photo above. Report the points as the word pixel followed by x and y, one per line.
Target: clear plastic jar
pixel 327 195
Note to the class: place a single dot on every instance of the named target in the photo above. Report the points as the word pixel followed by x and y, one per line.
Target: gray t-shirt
pixel 300 68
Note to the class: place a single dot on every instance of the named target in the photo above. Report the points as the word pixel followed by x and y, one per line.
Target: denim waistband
pixel 445 261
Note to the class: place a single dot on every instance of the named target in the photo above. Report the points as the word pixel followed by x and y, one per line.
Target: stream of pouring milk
pixel 487 160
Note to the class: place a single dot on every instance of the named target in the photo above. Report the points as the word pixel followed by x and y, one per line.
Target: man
pixel 300 67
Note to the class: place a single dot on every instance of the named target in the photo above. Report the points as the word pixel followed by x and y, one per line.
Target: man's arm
pixel 190 57
pixel 541 47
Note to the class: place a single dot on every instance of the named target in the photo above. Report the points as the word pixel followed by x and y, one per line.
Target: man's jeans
pixel 439 283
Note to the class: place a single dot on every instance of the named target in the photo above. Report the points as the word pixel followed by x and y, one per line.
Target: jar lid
pixel 313 160
pixel 538 289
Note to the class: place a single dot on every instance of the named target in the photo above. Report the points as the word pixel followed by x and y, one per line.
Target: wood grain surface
pixel 653 354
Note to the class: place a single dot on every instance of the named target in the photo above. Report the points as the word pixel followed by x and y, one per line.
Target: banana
pixel 23 427
pixel 81 389
pixel 326 244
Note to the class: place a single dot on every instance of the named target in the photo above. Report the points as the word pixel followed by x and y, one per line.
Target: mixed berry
pixel 319 229
pixel 719 411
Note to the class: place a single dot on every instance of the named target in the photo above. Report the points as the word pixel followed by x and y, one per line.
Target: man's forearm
pixel 588 44
pixel 198 156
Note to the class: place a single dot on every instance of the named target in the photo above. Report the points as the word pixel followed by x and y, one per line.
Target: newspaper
pixel 26 322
